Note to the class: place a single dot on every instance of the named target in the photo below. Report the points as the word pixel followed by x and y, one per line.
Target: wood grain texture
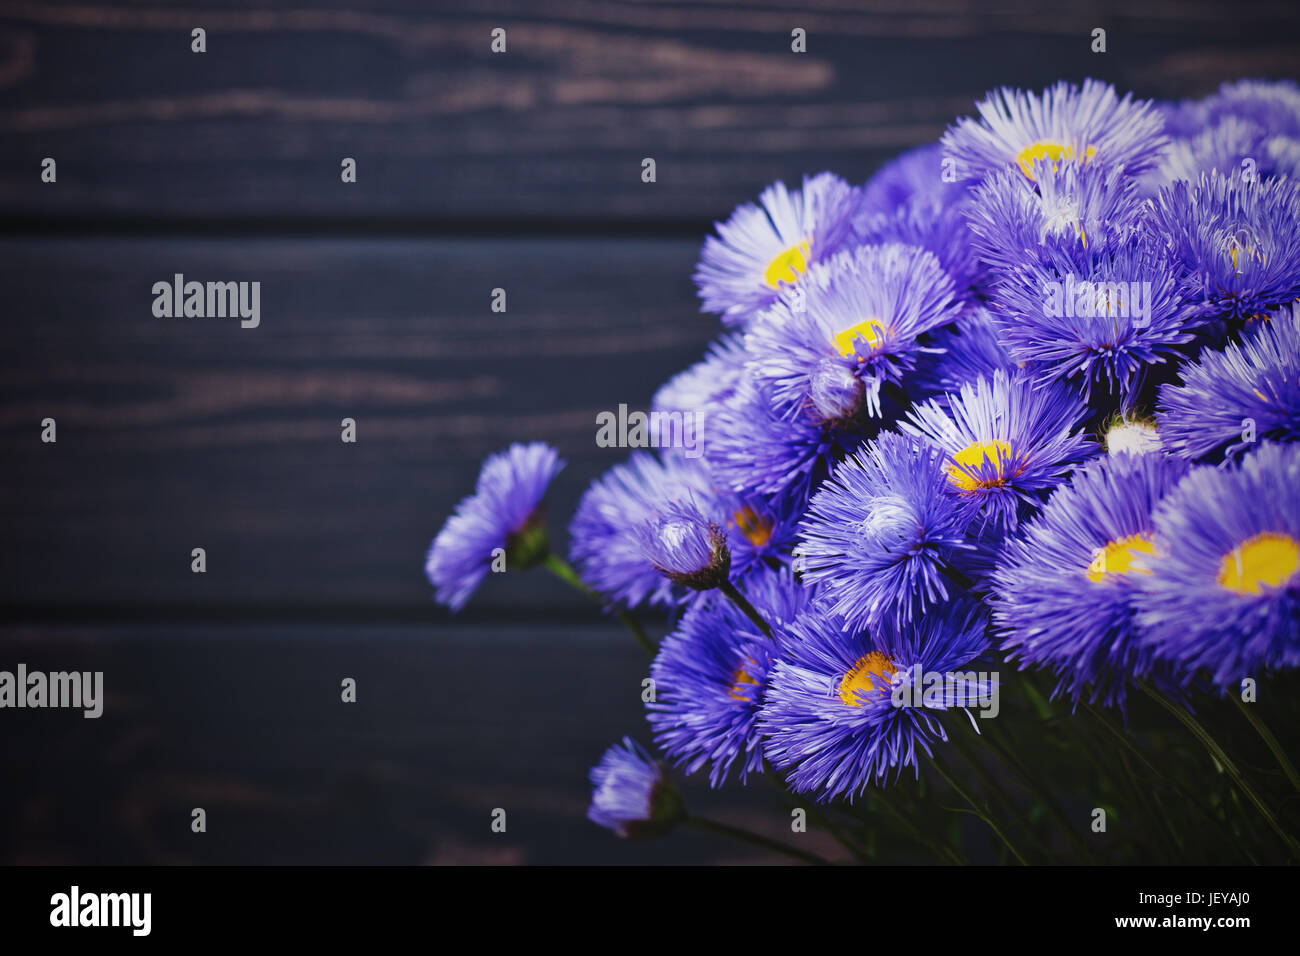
pixel 247 723
pixel 556 128
pixel 183 433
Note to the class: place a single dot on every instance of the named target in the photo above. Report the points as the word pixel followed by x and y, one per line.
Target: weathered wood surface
pixel 476 171
pixel 247 723
pixel 176 433
pixel 554 130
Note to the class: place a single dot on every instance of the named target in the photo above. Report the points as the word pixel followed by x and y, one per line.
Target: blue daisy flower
pixel 709 677
pixel 879 532
pixel 760 529
pixel 632 795
pixel 845 711
pixel 686 547
pixel 763 247
pixel 1095 315
pixel 756 450
pixel 1005 440
pixel 935 224
pixel 502 518
pixel 856 317
pixel 1224 592
pixel 1248 391
pixel 605 533
pixel 1064 588
pixel 1234 240
pixel 1232 145
pixel 706 384
pixel 916 175
pixel 1066 123
pixel 1067 209
pixel 960 353
pixel 1272 104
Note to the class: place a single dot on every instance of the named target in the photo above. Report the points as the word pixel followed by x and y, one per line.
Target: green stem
pixel 942 850
pixel 564 571
pixel 961 742
pixel 978 812
pixel 1192 800
pixel 1266 735
pixel 1036 792
pixel 1221 756
pixel 753 839
pixel 742 602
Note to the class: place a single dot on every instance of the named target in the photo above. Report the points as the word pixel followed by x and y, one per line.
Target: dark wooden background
pixel 475 171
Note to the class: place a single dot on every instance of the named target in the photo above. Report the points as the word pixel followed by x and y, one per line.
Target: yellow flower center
pixel 1266 559
pixel 1242 251
pixel 742 677
pixel 1045 150
pixel 756 529
pixel 965 470
pixel 871 673
pixel 868 330
pixel 789 265
pixel 1118 556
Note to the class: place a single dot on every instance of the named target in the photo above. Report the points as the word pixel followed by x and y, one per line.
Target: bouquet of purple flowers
pixel 1023 408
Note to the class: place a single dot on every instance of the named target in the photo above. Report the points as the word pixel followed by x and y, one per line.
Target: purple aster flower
pixel 1224 592
pixel 761 248
pixel 1248 391
pixel 849 710
pixel 1064 588
pixel 502 519
pixel 960 353
pixel 706 384
pixel 756 450
pixel 1132 435
pixel 879 532
pixel 605 534
pixel 1231 146
pixel 917 174
pixel 1234 241
pixel 1095 315
pixel 936 224
pixel 1273 104
pixel 760 529
pixel 632 795
pixel 1067 123
pixel 1005 441
pixel 851 326
pixel 1068 209
pixel 710 674
pixel 686 547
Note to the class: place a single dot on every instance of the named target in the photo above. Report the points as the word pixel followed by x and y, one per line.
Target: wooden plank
pixel 183 433
pixel 248 723
pixel 554 129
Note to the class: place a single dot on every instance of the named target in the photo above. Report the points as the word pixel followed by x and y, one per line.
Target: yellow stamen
pixel 868 330
pixel 788 266
pixel 1045 150
pixel 1118 556
pixel 1265 559
pixel 742 677
pixel 756 528
pixel 871 673
pixel 965 470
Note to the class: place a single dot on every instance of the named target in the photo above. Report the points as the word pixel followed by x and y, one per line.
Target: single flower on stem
pixel 500 521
